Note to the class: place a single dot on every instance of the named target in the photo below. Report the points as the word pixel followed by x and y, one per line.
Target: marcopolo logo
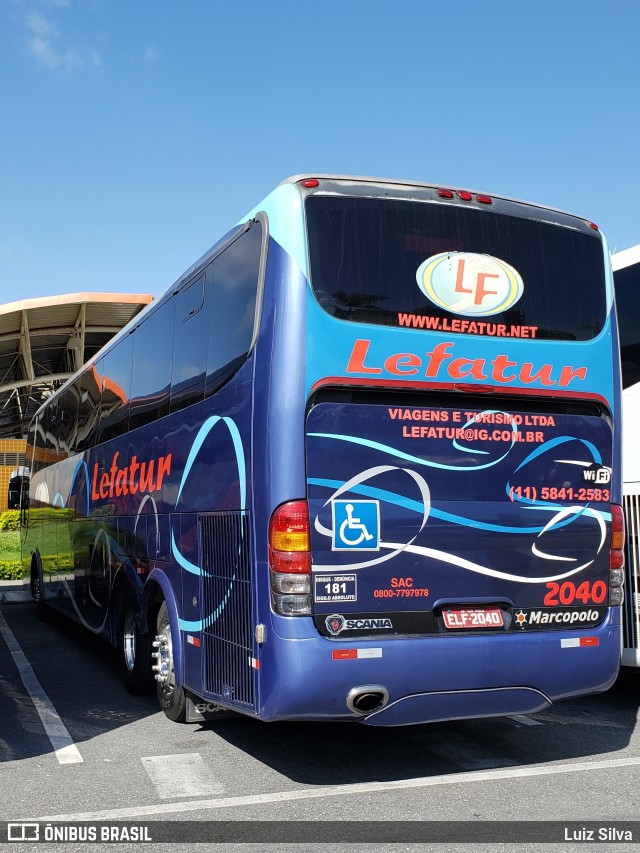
pixel 470 284
pixel 563 617
pixel 557 618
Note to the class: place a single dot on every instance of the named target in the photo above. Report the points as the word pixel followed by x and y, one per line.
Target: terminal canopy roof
pixel 44 341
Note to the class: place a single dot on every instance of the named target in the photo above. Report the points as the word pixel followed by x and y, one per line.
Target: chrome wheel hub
pixel 129 640
pixel 162 655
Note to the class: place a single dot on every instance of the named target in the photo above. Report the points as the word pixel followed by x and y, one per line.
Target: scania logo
pixel 334 623
pixel 469 284
pixel 337 623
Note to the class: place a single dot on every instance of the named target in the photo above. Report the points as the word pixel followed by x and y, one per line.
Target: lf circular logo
pixel 469 284
pixel 334 623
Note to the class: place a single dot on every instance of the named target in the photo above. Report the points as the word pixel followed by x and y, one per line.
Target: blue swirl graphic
pixel 544 448
pixel 199 440
pixel 81 464
pixel 399 454
pixel 416 506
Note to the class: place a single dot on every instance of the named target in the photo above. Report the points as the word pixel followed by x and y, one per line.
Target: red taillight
pixel 594 226
pixel 616 556
pixel 290 562
pixel 445 193
pixel 290 559
pixel 617 528
pixel 484 199
pixel 289 527
pixel 310 183
pixel 464 195
pixel 616 559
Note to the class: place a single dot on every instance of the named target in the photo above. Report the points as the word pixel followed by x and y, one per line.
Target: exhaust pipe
pixel 367 698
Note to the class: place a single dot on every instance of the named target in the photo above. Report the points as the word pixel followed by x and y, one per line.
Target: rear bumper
pixel 460 704
pixel 435 678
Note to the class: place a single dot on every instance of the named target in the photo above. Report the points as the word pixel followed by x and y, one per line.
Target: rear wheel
pixel 37 590
pixel 170 695
pixel 134 648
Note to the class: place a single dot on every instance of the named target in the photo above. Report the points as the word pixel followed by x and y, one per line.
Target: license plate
pixel 473 617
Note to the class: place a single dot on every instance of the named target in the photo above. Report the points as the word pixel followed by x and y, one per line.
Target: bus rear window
pixel 453 269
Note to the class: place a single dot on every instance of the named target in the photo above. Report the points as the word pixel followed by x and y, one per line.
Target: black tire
pixel 37 592
pixel 134 648
pixel 171 696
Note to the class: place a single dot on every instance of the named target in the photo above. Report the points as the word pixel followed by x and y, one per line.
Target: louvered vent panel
pixel 227 608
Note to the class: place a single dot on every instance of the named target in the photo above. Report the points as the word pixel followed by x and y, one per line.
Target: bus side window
pixel 68 417
pixel 232 286
pixel 49 431
pixel 39 451
pixel 189 346
pixel 88 410
pixel 30 450
pixel 152 355
pixel 115 370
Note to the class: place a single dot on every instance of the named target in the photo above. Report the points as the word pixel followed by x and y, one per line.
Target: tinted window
pixel 152 355
pixel 232 287
pixel 39 452
pixel 189 346
pixel 48 425
pixel 627 282
pixel 365 255
pixel 88 409
pixel 67 419
pixel 115 369
pixel 31 456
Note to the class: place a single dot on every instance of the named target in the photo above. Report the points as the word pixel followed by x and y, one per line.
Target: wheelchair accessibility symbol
pixel 356 525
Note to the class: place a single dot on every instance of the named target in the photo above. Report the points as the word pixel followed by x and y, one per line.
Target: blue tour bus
pixel 361 462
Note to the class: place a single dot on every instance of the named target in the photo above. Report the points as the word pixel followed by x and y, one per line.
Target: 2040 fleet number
pixel 568 593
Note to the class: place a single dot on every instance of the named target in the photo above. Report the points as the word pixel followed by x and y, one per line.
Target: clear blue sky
pixel 135 132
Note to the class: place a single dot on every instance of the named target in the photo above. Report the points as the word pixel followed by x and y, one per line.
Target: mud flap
pixel 201 711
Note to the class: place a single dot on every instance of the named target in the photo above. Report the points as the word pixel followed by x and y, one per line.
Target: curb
pixel 15 595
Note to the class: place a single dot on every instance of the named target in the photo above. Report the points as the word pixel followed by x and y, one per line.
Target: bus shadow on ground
pixel 77 671
pixel 79 674
pixel 347 753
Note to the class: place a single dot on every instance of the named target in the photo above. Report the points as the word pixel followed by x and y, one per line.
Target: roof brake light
pixel 310 183
pixel 465 195
pixel 445 193
pixel 594 226
pixel 484 199
pixel 475 389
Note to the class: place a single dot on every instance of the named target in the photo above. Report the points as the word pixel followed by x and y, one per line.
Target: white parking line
pixel 277 797
pixel 182 775
pixel 65 750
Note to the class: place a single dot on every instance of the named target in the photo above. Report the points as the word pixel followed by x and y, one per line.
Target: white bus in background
pixel 626 270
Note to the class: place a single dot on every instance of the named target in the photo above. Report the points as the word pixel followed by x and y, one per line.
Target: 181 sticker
pixel 328 588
